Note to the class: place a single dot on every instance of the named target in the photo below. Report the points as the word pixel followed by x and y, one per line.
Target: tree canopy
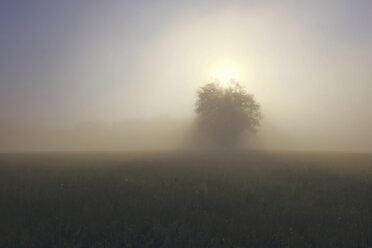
pixel 224 114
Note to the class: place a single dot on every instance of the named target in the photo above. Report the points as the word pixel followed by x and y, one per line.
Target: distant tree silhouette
pixel 224 114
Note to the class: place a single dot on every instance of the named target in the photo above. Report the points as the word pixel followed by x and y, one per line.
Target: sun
pixel 225 74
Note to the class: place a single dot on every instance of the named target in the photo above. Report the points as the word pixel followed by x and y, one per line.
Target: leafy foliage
pixel 225 113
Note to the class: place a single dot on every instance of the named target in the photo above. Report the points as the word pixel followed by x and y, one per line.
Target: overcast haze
pixel 100 66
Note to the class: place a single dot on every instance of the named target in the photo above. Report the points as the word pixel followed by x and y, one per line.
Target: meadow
pixel 177 199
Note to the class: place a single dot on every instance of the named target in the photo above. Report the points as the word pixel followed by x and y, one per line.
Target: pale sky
pixel 308 63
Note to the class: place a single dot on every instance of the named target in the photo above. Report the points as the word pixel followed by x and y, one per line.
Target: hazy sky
pixel 307 62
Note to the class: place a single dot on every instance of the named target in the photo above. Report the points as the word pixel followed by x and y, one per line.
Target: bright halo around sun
pixel 225 74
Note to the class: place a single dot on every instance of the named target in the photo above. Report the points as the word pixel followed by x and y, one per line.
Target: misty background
pixel 123 75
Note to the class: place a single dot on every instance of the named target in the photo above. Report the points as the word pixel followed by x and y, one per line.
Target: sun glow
pixel 225 74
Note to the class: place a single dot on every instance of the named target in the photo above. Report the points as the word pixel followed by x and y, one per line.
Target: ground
pixel 176 199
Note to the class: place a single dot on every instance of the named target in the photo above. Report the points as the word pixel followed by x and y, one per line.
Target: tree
pixel 224 114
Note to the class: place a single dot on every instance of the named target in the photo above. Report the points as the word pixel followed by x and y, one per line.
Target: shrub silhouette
pixel 224 114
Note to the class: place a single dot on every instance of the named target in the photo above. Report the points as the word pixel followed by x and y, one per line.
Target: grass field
pixel 186 200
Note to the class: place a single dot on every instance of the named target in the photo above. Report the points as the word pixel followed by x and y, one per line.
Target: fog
pixel 123 75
